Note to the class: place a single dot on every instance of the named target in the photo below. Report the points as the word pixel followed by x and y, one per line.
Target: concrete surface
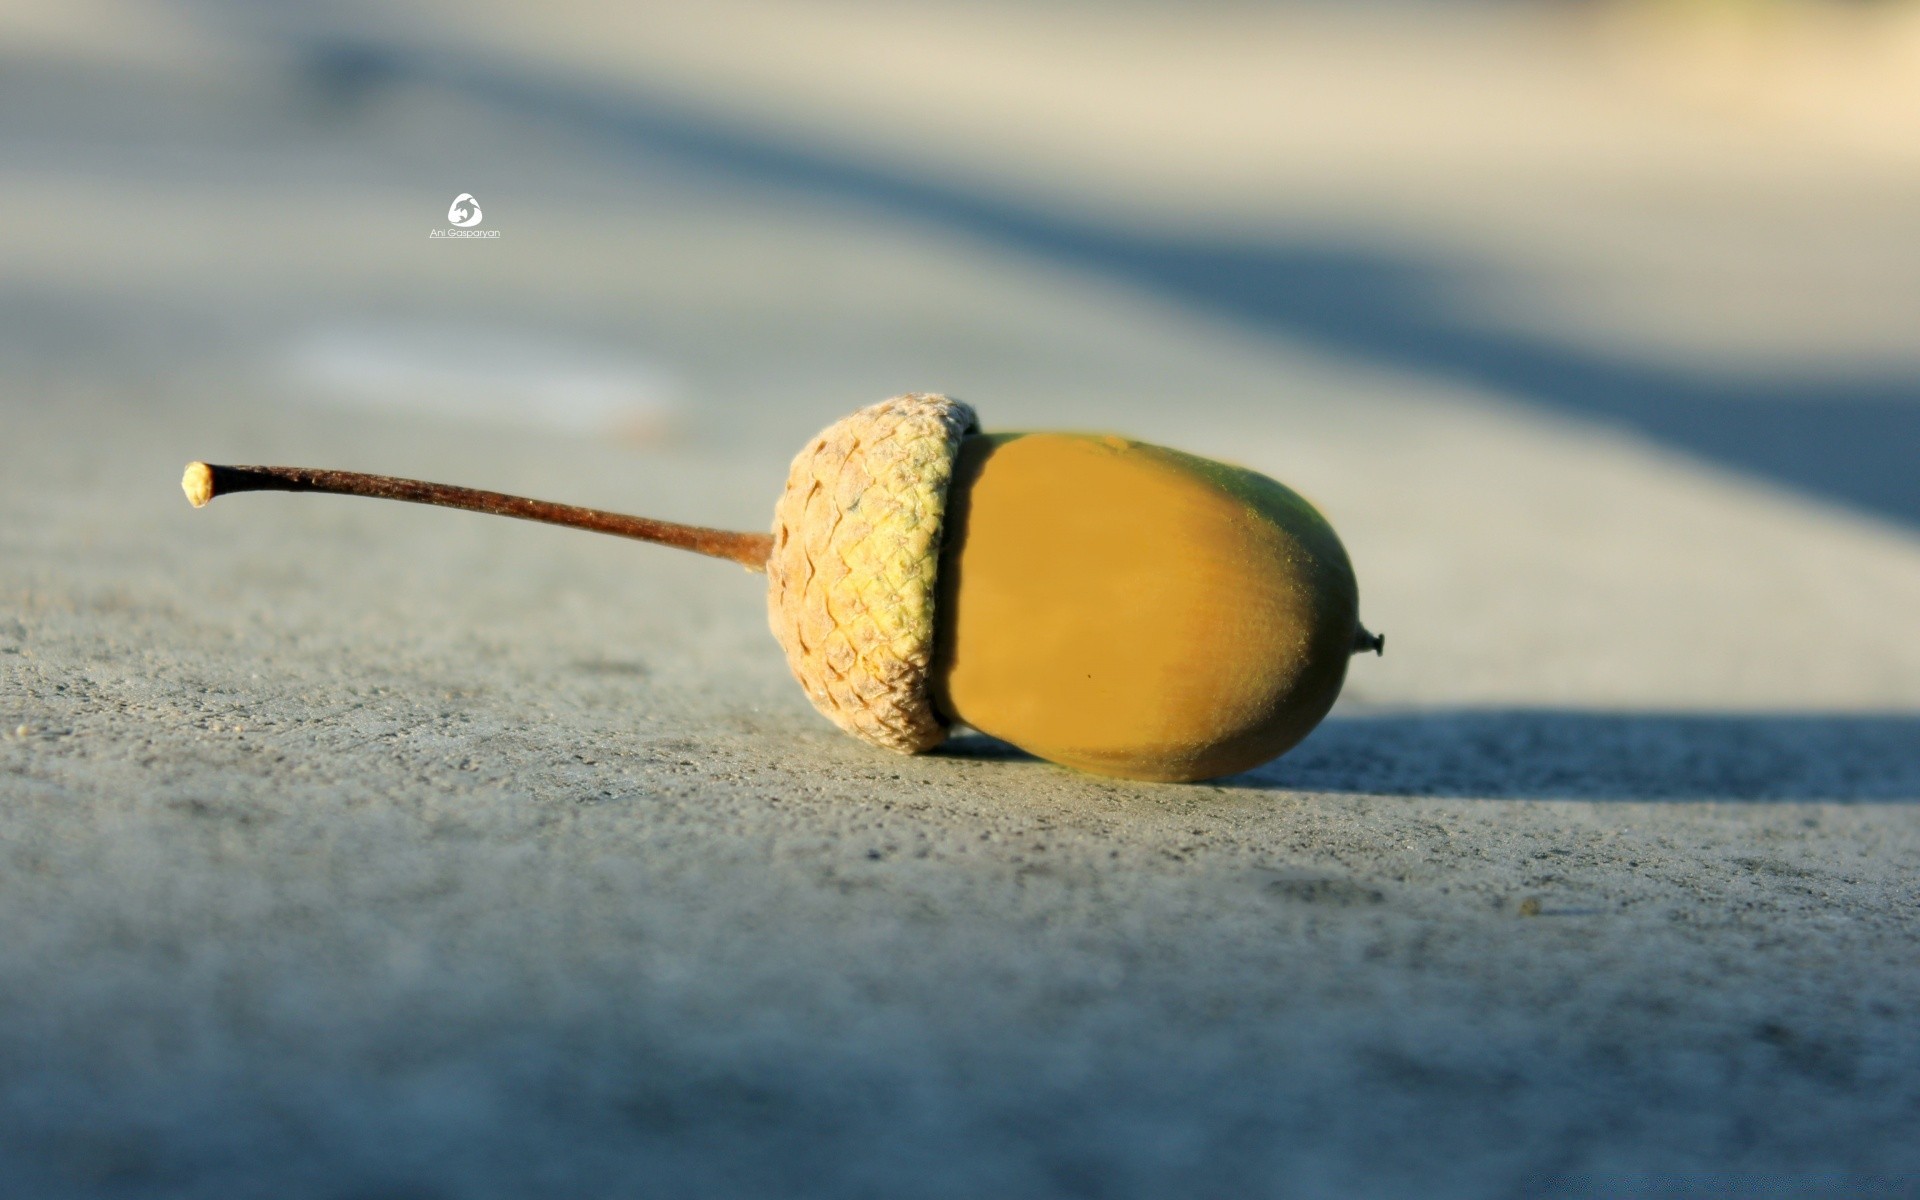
pixel 351 850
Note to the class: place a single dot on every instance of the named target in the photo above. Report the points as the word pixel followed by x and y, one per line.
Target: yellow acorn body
pixel 1135 611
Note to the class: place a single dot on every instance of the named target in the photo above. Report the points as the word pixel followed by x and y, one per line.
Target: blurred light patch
pixel 496 376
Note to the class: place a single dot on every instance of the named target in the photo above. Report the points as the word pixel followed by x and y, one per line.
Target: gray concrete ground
pixel 351 850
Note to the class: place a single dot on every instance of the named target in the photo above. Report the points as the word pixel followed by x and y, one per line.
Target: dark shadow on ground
pixel 1561 754
pixel 1567 754
pixel 1853 440
pixel 969 744
pixel 1581 755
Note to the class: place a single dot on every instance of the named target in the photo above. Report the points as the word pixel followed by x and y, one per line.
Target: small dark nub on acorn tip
pixel 1364 641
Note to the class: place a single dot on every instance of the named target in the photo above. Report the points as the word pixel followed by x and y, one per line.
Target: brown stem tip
pixel 204 481
pixel 1364 641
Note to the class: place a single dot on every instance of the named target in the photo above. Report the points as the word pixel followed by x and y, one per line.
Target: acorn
pixel 1099 602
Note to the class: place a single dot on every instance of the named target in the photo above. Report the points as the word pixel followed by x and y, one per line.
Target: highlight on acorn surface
pixel 1103 603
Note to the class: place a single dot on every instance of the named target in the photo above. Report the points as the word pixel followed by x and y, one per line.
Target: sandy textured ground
pixel 361 851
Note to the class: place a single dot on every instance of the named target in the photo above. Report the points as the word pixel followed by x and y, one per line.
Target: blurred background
pixel 1582 245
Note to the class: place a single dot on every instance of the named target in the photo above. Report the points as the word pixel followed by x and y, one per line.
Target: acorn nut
pixel 1099 602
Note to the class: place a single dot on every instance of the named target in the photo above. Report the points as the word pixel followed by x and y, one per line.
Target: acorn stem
pixel 204 481
pixel 1364 641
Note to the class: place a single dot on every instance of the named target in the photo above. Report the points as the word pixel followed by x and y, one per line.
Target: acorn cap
pixel 856 546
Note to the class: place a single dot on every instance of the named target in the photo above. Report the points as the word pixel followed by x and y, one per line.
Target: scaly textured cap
pixel 856 545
